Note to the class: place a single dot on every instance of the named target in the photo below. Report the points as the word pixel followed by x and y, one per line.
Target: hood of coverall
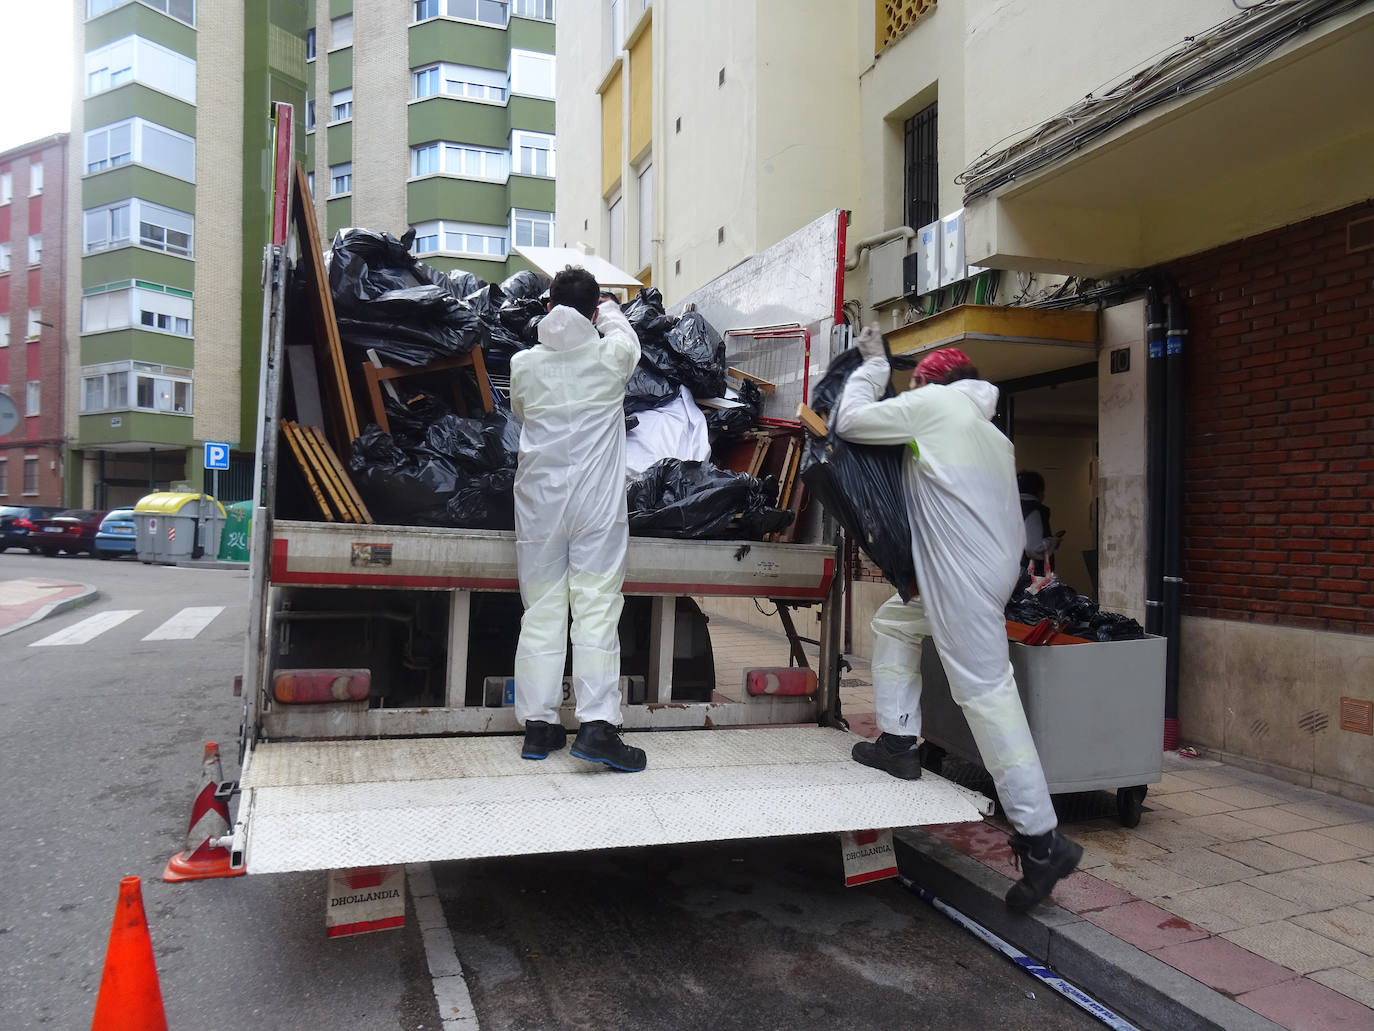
pixel 564 328
pixel 980 392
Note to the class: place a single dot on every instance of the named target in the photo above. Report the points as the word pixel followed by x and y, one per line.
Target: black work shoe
pixel 1042 866
pixel 599 742
pixel 892 754
pixel 542 738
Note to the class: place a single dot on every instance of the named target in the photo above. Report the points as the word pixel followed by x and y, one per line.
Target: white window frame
pixel 135 59
pixel 615 235
pixel 140 213
pixel 162 381
pixel 6 187
pixel 33 398
pixel 310 183
pixel 137 128
pixel 645 201
pixel 537 10
pixel 617 10
pixel 530 219
pixel 30 465
pixel 136 304
pixel 310 42
pixel 335 174
pixel 341 32
pixel 462 160
pixel 539 57
pixel 462 81
pixel 483 12
pixel 95 8
pixel 36 249
pixel 33 331
pixel 418 6
pixel 494 242
pixel 4 257
pixel 5 330
pixel 522 140
pixel 309 114
pixel 36 179
pixel 4 477
pixel 341 100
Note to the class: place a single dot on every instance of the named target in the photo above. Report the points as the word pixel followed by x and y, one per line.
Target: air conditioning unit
pixel 952 266
pixel 921 268
pixel 885 271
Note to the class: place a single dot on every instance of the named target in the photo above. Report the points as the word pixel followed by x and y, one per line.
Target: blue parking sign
pixel 216 455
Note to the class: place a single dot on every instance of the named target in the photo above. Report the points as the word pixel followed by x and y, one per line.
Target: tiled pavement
pixel 1262 890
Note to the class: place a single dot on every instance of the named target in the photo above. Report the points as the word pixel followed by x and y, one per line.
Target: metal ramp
pixel 319 805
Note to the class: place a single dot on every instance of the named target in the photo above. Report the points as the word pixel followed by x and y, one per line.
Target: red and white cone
pixel 204 859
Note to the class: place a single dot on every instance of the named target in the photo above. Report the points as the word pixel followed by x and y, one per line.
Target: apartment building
pixel 32 215
pixel 437 116
pixel 1198 146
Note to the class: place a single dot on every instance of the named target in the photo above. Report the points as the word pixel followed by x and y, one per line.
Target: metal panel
pixel 424 558
pixel 794 282
pixel 326 805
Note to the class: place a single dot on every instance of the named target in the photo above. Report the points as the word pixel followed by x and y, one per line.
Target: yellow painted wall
pixel 641 95
pixel 612 131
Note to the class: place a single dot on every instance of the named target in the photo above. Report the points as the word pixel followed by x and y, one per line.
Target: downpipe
pixel 1176 336
pixel 1154 462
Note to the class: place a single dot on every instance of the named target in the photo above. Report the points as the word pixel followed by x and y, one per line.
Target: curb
pixel 56 608
pixel 1140 987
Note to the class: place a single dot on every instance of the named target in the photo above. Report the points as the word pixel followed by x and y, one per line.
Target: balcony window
pixel 426 9
pixel 457 80
pixel 159 228
pixel 156 388
pixel 138 140
pixel 489 12
pixel 540 9
pixel 142 305
pixel 135 59
pixel 532 153
pixel 531 228
pixel 465 238
pixel 181 10
pixel 532 73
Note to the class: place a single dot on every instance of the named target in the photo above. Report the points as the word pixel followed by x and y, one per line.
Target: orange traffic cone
pixel 129 999
pixel 209 821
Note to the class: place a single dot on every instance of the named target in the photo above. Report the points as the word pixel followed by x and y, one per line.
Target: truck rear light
pixel 315 686
pixel 780 680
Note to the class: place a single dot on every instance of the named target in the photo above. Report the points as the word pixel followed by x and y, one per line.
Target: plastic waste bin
pixel 237 532
pixel 170 526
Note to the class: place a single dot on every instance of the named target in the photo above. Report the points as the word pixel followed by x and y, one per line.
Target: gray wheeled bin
pixel 1096 713
pixel 171 526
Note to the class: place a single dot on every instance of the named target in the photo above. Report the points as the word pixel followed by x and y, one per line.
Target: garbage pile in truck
pixel 437 458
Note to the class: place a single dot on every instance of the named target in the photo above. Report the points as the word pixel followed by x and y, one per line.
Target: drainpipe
pixel 905 232
pixel 1172 593
pixel 1154 461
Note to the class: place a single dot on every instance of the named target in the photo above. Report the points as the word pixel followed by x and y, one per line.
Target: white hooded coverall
pixel 571 529
pixel 967 533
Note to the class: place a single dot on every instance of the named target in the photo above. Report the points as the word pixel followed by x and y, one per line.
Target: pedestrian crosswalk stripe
pixel 186 623
pixel 88 629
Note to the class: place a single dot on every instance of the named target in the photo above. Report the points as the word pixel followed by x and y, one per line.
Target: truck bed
pixel 320 805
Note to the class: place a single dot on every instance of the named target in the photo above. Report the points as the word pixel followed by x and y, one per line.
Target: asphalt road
pixel 100 752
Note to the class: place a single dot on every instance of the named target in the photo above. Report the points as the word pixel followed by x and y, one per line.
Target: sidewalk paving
pixel 1260 890
pixel 27 600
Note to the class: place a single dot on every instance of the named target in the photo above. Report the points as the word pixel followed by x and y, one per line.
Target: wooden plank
pixel 763 384
pixel 760 453
pixel 336 395
pixel 295 447
pixel 350 490
pixel 811 422
pixel 324 472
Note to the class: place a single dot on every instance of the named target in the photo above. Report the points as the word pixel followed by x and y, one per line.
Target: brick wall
pixel 1279 495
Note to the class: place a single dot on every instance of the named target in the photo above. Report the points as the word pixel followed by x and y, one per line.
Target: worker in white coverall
pixel 571 528
pixel 959 478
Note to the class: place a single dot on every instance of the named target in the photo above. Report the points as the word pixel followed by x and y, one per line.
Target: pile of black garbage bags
pixel 1060 603
pixel 438 468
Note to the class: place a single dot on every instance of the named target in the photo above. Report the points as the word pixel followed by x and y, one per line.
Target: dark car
pixel 72 531
pixel 16 524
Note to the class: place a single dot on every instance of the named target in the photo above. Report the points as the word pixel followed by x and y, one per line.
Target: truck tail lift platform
pixel 425 765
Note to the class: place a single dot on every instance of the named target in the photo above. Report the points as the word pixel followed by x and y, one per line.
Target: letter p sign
pixel 216 455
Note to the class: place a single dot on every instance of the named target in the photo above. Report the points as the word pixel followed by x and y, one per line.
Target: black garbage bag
pixel 526 285
pixel 403 487
pixel 1059 602
pixel 516 313
pixel 648 388
pixel 485 502
pixel 363 265
pixel 725 423
pixel 499 342
pixel 647 316
pixel 698 356
pixel 486 444
pixel 1113 626
pixel 411 416
pixel 675 498
pixel 860 485
pixel 464 283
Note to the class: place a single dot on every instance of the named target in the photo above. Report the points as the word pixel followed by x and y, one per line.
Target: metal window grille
pixel 922 170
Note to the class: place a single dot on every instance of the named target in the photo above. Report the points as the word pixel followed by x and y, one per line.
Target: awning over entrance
pixel 1005 343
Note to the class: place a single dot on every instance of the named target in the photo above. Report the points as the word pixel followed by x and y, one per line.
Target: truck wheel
pixel 1129 803
pixel 50 552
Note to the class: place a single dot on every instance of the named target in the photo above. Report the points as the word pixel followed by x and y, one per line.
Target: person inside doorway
pixel 967 532
pixel 571 526
pixel 1041 541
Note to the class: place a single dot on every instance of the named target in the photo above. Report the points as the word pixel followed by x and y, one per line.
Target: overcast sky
pixel 36 74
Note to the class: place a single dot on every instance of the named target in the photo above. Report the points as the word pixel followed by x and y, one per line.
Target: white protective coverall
pixel 571 529
pixel 677 430
pixel 967 533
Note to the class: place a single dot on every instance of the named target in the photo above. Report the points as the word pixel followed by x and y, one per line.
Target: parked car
pixel 16 524
pixel 72 531
pixel 116 534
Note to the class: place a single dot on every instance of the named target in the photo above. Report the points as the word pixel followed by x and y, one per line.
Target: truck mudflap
pixel 322 805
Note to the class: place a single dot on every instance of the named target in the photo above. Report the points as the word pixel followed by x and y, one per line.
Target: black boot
pixel 1044 859
pixel 599 742
pixel 892 754
pixel 542 738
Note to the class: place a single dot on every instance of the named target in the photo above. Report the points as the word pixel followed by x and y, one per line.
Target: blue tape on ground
pixel 1031 966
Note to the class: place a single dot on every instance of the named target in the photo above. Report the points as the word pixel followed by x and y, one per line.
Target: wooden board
pixel 812 422
pixel 350 491
pixel 324 472
pixel 306 468
pixel 335 394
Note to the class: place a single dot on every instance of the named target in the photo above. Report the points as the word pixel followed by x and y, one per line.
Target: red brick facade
pixel 1279 499
pixel 37 443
